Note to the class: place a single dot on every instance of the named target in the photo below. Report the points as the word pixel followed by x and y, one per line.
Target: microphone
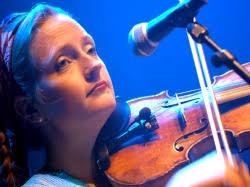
pixel 144 38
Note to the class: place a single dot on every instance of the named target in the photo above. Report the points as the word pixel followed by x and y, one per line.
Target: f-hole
pixel 179 148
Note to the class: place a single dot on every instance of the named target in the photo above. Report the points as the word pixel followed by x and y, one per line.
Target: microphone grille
pixel 139 42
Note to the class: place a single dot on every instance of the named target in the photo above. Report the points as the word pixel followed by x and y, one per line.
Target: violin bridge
pixel 181 114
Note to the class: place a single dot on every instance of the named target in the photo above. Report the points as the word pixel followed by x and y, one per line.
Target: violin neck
pixel 223 94
pixel 231 92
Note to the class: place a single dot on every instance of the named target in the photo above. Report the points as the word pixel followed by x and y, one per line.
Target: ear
pixel 24 108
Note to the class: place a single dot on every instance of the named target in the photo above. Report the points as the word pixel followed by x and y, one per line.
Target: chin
pixel 107 104
pixel 101 110
pixel 103 105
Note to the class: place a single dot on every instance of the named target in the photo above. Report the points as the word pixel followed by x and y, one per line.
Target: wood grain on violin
pixel 183 134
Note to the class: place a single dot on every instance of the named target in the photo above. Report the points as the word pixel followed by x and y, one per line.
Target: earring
pixel 39 120
pixel 35 118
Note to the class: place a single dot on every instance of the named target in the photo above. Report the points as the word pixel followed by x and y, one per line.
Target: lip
pixel 98 86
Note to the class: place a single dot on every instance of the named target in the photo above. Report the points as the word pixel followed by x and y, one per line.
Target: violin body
pixel 183 135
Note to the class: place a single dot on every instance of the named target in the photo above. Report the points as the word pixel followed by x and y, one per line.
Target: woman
pixel 60 91
pixel 57 95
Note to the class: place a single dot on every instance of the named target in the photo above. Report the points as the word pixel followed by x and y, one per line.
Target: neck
pixel 71 152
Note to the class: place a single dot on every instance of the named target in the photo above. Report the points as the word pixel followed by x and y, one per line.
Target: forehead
pixel 60 24
pixel 54 33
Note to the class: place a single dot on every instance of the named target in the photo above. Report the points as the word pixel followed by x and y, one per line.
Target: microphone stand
pixel 199 33
pixel 208 95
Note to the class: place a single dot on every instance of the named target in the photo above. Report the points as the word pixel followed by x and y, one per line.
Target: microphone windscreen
pixel 139 42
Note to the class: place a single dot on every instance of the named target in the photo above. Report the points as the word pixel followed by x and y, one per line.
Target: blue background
pixel 171 67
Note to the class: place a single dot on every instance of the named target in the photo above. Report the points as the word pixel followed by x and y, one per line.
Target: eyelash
pixel 60 65
pixel 92 51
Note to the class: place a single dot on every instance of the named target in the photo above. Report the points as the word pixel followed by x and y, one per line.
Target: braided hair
pixel 17 77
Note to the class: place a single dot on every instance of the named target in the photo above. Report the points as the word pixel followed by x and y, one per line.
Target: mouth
pixel 98 87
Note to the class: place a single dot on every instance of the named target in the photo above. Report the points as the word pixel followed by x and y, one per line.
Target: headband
pixel 8 87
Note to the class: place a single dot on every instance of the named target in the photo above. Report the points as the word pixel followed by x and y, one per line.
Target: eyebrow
pixel 67 50
pixel 87 39
pixel 68 47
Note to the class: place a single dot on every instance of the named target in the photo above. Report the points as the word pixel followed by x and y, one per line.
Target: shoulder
pixel 42 180
pixel 39 180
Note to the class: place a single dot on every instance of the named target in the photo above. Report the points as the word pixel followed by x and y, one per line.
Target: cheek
pixel 55 86
pixel 61 94
pixel 49 98
pixel 47 95
pixel 49 91
pixel 106 76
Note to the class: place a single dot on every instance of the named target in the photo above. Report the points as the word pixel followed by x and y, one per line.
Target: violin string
pixel 231 88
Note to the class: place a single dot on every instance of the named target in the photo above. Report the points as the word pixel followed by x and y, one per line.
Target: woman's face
pixel 74 87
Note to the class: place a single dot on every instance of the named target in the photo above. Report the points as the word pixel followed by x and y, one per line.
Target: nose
pixel 92 73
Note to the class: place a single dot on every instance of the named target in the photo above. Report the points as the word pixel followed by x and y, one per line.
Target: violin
pixel 177 132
